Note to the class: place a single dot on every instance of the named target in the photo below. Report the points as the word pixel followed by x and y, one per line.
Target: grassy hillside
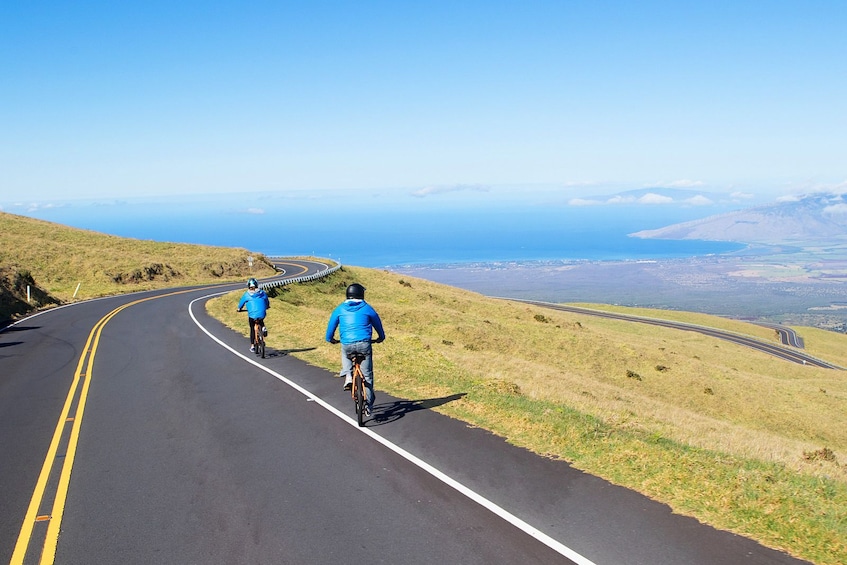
pixel 57 261
pixel 734 437
pixel 731 436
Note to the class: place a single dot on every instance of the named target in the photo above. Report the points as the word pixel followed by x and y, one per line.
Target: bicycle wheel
pixel 359 397
pixel 262 347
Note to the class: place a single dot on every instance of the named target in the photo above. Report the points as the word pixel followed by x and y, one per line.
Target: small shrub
pixel 405 283
pixel 446 342
pixel 633 375
pixel 503 387
pixel 662 368
pixel 824 454
pixel 541 318
pixel 708 390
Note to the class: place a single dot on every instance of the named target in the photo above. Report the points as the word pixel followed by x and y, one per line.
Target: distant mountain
pixel 812 217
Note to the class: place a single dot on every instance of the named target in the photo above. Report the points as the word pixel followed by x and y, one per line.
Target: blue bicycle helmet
pixel 252 283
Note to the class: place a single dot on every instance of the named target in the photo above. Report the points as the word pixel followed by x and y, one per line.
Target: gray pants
pixel 367 366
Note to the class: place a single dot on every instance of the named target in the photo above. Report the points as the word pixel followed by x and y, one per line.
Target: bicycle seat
pixel 356 356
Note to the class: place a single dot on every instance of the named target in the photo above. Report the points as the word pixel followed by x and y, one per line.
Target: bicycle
pixel 259 336
pixel 357 390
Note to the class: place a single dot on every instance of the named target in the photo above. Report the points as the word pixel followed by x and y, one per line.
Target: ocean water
pixel 371 235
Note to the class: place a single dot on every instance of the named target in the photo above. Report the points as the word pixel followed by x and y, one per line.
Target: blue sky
pixel 120 99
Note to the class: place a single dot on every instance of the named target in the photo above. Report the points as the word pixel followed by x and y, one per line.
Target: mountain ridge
pixel 815 217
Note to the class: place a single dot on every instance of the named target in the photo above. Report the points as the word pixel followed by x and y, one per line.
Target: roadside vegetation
pixel 59 263
pixel 733 437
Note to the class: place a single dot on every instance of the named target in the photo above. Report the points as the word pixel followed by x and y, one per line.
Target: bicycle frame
pixel 260 339
pixel 357 391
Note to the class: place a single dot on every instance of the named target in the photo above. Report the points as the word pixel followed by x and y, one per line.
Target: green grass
pixel 720 432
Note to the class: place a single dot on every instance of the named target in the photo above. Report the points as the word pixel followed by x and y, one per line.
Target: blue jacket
pixel 355 320
pixel 257 303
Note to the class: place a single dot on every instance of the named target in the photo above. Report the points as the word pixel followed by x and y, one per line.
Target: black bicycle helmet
pixel 356 290
pixel 252 283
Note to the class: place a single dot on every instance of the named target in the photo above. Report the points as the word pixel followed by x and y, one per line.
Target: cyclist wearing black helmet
pixel 356 321
pixel 257 303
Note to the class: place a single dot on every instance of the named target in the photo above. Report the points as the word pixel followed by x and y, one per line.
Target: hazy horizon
pixel 402 228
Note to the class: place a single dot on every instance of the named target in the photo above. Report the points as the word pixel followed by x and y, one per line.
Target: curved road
pixel 787 335
pixel 136 429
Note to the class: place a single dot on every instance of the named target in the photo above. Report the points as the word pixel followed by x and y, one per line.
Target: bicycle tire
pixel 359 398
pixel 262 347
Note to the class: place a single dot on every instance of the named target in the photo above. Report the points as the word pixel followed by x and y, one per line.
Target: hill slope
pixel 58 262
pixel 736 438
pixel 671 414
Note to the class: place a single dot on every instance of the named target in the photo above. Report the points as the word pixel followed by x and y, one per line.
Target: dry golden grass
pixel 719 431
pixel 60 258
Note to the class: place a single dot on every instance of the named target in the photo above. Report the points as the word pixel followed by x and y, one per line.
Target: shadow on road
pixel 10 328
pixel 391 412
pixel 287 351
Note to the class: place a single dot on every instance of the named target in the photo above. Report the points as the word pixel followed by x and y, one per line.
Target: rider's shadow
pixel 284 352
pixel 393 411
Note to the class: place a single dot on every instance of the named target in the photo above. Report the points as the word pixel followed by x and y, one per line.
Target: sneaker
pixel 348 383
pixel 264 331
pixel 367 412
pixel 252 349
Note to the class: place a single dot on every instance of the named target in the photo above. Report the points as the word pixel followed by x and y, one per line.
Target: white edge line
pixel 476 497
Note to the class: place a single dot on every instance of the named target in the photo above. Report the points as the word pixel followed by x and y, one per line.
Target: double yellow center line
pixel 40 511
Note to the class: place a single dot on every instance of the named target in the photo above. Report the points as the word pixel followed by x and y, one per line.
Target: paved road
pixel 178 446
pixel 786 335
pixel 763 346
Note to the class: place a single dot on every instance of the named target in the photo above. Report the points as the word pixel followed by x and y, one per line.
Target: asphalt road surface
pixel 136 429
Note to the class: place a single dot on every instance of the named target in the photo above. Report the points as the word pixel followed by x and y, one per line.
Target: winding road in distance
pixel 787 335
pixel 137 429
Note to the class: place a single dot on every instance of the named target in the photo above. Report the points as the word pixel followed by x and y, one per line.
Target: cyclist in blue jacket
pixel 257 303
pixel 356 321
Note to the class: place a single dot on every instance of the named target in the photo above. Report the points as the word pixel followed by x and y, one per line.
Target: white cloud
pixel 38 206
pixel 620 199
pixel 258 211
pixel 836 209
pixel 788 198
pixel 432 190
pixel 699 200
pixel 741 195
pixel 651 198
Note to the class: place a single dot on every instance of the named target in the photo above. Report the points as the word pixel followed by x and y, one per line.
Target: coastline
pixel 757 283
